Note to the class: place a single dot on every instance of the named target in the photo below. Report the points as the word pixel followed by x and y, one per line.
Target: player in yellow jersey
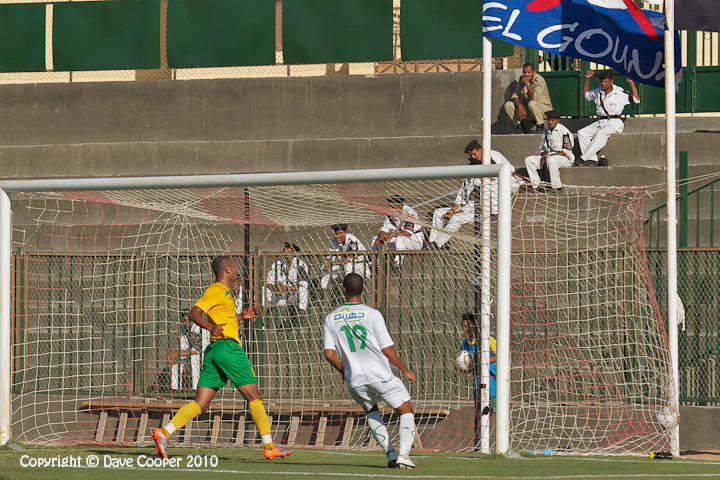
pixel 224 360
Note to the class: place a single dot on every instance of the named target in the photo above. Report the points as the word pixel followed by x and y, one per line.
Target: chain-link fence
pixel 699 334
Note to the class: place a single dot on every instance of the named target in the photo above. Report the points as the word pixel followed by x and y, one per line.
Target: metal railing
pixel 702 199
pixel 699 334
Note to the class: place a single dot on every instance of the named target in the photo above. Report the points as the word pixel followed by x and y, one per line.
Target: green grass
pixel 326 464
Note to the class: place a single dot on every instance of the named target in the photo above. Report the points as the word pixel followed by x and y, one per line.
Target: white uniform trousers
pixel 554 164
pixel 464 215
pixel 413 242
pixel 178 368
pixel 594 137
pixel 361 268
pixel 299 297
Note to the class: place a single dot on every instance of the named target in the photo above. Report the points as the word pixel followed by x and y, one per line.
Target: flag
pixel 698 15
pixel 616 33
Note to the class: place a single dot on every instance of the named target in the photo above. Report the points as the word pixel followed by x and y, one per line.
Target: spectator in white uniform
pixel 610 100
pixel 556 144
pixel 400 231
pixel 448 220
pixel 286 283
pixel 188 352
pixel 337 266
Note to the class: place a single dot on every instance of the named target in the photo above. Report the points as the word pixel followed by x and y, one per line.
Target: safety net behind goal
pixel 102 350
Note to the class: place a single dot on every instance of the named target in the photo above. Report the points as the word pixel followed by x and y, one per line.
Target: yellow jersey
pixel 219 304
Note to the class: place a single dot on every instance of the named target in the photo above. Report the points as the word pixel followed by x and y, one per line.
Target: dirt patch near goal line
pixel 701 455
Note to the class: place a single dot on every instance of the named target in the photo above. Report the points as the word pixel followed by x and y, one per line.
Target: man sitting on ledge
pixel 610 100
pixel 529 102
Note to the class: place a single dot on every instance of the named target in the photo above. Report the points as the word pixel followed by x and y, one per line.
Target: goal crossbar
pixel 502 172
pixel 251 179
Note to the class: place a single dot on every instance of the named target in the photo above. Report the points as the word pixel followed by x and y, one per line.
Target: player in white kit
pixel 359 334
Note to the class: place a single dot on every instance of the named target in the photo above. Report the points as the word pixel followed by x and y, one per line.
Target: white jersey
pixel 359 334
pixel 557 140
pixel 612 103
pixel 465 194
pixel 407 224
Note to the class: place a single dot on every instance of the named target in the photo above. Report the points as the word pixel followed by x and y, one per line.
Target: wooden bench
pixel 349 413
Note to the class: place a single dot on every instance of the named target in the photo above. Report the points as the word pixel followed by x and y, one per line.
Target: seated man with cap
pixel 400 230
pixel 610 100
pixel 448 220
pixel 556 144
pixel 337 266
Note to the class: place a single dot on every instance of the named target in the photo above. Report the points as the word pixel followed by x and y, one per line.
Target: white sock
pixel 170 428
pixel 266 439
pixel 407 434
pixel 379 431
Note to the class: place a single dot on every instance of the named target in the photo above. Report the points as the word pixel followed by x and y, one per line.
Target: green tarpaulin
pixel 123 34
pixel 326 31
pixel 433 30
pixel 213 33
pixel 22 38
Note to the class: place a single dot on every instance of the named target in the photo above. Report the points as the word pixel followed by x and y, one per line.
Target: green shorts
pixel 226 360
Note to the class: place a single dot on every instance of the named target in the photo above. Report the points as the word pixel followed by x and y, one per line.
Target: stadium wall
pixel 238 125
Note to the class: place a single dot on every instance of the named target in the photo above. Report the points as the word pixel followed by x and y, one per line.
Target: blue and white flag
pixel 615 33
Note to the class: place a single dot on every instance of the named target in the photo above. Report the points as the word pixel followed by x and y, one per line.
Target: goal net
pixel 102 282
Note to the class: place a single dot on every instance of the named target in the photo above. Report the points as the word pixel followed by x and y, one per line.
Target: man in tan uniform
pixel 529 101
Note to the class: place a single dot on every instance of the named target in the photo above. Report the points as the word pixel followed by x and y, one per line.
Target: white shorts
pixel 393 391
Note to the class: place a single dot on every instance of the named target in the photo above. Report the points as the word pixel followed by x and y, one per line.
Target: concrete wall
pixel 699 429
pixel 238 125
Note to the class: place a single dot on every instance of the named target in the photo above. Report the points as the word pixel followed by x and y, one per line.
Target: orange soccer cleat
pixel 276 452
pixel 160 442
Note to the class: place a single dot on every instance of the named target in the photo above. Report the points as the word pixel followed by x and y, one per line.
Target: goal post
pixel 504 239
pixel 5 323
pixel 55 207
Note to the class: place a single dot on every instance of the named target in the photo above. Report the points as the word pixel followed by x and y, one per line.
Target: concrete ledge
pixel 635 159
pixel 699 428
pixel 186 158
pixel 242 109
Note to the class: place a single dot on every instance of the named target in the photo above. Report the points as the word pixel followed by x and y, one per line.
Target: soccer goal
pixel 97 275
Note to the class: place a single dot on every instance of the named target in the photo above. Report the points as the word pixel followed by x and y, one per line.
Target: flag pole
pixel 672 215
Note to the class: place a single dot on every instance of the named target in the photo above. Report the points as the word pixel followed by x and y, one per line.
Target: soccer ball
pixel 464 361
pixel 668 417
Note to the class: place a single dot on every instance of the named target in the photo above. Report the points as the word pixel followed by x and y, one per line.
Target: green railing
pixel 108 323
pixel 701 199
pixel 699 337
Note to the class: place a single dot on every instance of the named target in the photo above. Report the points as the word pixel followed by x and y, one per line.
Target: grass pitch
pixel 130 463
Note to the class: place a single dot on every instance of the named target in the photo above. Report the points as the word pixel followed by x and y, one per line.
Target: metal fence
pixel 699 335
pixel 107 324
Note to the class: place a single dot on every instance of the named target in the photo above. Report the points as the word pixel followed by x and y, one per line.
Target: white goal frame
pixel 504 248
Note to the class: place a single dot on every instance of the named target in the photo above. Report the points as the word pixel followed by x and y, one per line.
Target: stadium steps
pixel 295 124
